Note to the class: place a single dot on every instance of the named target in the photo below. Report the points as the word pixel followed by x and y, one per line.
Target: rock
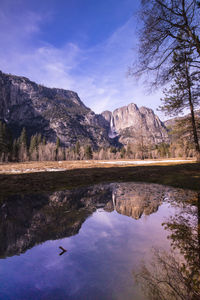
pixel 60 113
pixel 50 111
pixel 130 123
pixel 27 220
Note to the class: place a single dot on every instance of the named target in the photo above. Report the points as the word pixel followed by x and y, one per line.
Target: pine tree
pixel 33 144
pixel 2 138
pixel 64 153
pixel 57 147
pixel 57 143
pixel 15 150
pixel 9 140
pixel 123 152
pixel 88 152
pixel 23 138
pixel 113 150
pixel 184 91
pixel 77 150
pixel 5 140
pixel 22 141
pixel 39 139
pixel 44 141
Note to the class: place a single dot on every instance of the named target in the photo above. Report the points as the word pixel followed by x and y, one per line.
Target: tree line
pixel 38 149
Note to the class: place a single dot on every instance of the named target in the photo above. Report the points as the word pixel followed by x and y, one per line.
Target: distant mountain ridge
pixel 60 113
pixel 171 122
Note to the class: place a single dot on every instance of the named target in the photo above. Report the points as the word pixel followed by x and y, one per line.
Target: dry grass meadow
pixel 50 166
pixel 36 177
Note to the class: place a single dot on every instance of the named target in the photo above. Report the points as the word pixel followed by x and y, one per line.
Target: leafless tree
pixel 160 35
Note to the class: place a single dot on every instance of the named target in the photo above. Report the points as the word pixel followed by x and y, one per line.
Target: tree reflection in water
pixel 176 275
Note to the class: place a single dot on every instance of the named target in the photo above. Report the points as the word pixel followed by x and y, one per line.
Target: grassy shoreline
pixel 181 175
pixel 41 166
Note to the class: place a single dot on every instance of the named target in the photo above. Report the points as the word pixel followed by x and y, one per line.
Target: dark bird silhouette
pixel 63 250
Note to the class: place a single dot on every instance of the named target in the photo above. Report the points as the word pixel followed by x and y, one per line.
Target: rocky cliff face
pixel 131 124
pixel 136 199
pixel 50 111
pixel 60 113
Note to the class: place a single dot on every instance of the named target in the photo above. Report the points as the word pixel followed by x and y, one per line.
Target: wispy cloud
pixel 98 74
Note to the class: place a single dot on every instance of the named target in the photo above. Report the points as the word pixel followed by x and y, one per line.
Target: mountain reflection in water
pixel 29 220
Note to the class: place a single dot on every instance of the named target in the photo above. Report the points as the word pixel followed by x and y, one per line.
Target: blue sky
pixel 81 45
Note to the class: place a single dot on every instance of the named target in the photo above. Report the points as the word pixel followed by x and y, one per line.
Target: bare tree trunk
pixel 198 224
pixel 196 141
pixel 196 295
pixel 194 127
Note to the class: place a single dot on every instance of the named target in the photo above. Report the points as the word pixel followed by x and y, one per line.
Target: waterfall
pixel 114 200
pixel 112 133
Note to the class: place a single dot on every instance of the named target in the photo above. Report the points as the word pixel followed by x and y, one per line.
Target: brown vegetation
pixel 84 174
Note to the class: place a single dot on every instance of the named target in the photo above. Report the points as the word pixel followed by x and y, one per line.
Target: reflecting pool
pixel 111 241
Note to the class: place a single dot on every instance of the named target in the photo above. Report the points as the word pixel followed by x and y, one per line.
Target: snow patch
pixel 141 162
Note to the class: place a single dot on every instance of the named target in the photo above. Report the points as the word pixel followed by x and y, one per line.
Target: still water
pixel 122 241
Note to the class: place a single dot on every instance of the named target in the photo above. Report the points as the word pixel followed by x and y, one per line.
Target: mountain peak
pixel 130 123
pixel 55 112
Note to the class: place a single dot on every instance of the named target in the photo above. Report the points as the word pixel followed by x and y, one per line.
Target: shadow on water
pixel 172 276
pixel 101 233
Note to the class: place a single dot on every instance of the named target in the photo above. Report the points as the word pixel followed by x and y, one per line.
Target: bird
pixel 63 250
